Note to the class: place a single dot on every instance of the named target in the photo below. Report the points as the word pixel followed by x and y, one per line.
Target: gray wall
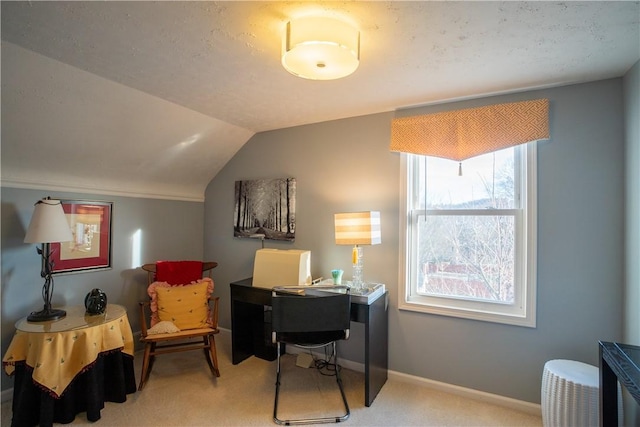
pixel 169 230
pixel 632 232
pixel 345 165
pixel 632 156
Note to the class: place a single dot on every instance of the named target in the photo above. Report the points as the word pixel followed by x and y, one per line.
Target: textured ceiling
pixel 222 59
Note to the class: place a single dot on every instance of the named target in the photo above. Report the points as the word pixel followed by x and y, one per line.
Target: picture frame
pixel 265 209
pixel 90 249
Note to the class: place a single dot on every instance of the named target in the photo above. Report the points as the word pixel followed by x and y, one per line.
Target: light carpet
pixel 182 392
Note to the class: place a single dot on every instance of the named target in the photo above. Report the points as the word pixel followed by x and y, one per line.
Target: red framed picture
pixel 90 249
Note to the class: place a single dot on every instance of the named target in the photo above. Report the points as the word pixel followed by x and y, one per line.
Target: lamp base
pixel 46 314
pixel 358 281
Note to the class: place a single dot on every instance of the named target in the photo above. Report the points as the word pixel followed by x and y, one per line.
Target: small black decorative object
pixel 95 302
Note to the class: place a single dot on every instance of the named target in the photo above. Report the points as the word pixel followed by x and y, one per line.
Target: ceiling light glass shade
pixel 48 223
pixel 319 48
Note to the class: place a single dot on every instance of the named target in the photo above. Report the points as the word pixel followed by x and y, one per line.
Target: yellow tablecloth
pixel 57 357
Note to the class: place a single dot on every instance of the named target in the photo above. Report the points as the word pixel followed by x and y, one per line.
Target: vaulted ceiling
pixel 153 98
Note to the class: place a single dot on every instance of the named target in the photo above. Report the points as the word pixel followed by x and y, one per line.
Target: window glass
pixel 487 182
pixel 467 256
pixel 470 242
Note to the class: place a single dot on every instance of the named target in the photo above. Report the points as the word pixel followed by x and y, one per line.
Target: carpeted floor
pixel 182 392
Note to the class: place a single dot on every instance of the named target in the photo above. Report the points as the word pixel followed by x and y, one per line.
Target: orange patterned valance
pixel 462 134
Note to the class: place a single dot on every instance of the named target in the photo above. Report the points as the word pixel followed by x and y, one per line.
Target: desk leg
pixel 608 394
pixel 242 320
pixel 250 332
pixel 376 352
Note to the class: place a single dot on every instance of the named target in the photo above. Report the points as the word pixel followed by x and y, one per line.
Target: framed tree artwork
pixel 265 209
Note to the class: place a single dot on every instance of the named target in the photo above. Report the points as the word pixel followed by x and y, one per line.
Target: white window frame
pixel 523 311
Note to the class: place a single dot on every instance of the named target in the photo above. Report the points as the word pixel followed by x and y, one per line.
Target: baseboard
pixel 518 405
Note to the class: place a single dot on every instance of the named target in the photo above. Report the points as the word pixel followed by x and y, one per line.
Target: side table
pixel 70 365
pixel 618 363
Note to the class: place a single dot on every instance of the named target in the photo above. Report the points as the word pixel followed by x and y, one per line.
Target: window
pixel 470 244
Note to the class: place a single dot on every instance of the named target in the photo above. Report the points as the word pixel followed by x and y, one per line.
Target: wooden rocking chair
pixel 171 310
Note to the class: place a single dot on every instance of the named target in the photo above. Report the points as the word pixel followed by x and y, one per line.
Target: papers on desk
pixel 366 295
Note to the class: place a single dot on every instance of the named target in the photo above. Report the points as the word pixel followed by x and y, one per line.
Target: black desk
pixel 251 332
pixel 618 362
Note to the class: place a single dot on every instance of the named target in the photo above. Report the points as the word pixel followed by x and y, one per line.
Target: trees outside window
pixel 470 244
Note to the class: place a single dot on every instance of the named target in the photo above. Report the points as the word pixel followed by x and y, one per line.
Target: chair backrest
pixel 171 306
pixel 309 312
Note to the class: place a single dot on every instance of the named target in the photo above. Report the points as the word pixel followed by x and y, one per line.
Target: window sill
pixel 484 316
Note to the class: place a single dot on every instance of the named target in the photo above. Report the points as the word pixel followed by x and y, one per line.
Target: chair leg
pixel 340 386
pixel 152 358
pixel 207 353
pixel 275 402
pixel 214 355
pixel 145 366
pixel 335 419
pixel 211 355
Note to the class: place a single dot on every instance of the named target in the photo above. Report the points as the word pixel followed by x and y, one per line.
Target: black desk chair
pixel 310 318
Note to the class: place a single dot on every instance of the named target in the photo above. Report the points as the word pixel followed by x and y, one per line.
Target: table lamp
pixel 358 228
pixel 48 225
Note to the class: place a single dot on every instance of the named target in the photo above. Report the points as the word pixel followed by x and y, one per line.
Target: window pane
pixel 471 251
pixel 469 257
pixel 487 182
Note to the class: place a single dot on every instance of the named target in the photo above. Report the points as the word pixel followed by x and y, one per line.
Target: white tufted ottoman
pixel 570 394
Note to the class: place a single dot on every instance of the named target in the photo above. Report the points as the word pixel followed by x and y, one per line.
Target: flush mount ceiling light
pixel 319 48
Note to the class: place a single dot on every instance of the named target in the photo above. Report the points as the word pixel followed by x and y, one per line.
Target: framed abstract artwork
pixel 90 249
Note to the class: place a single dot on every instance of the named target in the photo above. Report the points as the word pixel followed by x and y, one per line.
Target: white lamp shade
pixel 320 48
pixel 358 228
pixel 48 223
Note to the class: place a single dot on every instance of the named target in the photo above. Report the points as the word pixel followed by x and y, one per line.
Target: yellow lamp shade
pixel 358 228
